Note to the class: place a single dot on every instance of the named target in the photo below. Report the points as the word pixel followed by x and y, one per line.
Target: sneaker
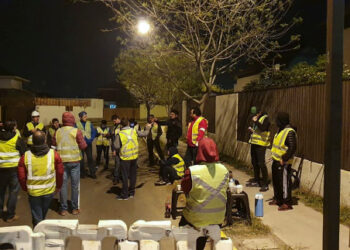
pixel 160 183
pixel 168 183
pixel 253 184
pixel 76 211
pixel 284 207
pixel 63 212
pixel 273 202
pixel 131 196
pixel 264 189
pixel 14 218
pixel 121 198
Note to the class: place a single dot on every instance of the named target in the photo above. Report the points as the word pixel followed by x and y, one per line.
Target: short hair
pixel 151 116
pixel 124 122
pixel 196 111
pixel 115 117
pixel 39 137
pixel 174 111
pixel 54 120
pixel 9 125
pixel 104 122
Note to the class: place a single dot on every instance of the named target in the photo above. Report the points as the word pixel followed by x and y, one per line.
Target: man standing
pixel 259 141
pixel 153 140
pixel 55 124
pixel 11 147
pixel 196 131
pixel 126 143
pixel 33 126
pixel 40 173
pixel 69 141
pixel 283 150
pixel 174 131
pixel 205 186
pixel 89 134
pixel 102 144
pixel 114 132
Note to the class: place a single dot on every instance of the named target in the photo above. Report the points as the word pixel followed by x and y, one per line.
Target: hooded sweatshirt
pixel 283 122
pixel 207 153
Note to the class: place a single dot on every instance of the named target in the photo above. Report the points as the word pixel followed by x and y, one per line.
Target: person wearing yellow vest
pixel 153 140
pixel 283 150
pixel 114 132
pixel 32 126
pixel 40 173
pixel 205 186
pixel 172 169
pixel 259 141
pixel 126 144
pixel 55 124
pixel 89 133
pixel 69 141
pixel 102 143
pixel 11 148
pixel 196 131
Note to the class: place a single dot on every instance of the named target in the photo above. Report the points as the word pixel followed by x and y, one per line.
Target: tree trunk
pixel 203 101
pixel 148 107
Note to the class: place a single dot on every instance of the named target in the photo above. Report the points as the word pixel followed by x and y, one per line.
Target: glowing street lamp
pixel 143 27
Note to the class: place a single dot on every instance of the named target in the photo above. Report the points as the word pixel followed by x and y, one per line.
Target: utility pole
pixel 333 137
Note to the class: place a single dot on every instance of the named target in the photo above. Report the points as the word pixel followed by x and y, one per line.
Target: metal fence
pixel 306 107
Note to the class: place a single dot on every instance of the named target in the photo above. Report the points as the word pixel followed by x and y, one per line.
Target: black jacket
pixel 265 125
pixel 291 143
pixel 159 132
pixel 174 131
pixel 28 133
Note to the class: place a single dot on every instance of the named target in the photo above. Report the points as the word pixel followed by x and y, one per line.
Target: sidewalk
pixel 300 228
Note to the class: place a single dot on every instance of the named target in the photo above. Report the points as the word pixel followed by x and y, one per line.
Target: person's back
pixel 67 146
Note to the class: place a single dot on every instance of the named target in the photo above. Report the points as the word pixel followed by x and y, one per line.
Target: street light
pixel 143 27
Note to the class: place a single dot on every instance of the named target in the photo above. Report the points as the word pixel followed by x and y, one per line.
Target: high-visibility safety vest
pixel 116 130
pixel 278 147
pixel 180 167
pixel 154 131
pixel 18 133
pixel 41 177
pixel 52 132
pixel 258 137
pixel 130 145
pixel 9 155
pixel 101 140
pixel 87 130
pixel 30 126
pixel 67 145
pixel 195 129
pixel 206 202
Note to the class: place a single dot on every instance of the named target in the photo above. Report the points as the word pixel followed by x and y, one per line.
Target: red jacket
pixel 22 172
pixel 202 127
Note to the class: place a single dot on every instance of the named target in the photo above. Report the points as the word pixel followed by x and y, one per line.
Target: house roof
pixel 5 74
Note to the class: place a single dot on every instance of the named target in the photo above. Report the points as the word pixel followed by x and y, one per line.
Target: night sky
pixel 60 48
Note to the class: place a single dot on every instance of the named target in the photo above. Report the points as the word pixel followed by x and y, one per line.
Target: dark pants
pixel 281 178
pixel 9 179
pixel 190 156
pixel 154 143
pixel 201 241
pixel 257 154
pixel 88 153
pixel 168 174
pixel 171 143
pixel 116 173
pixel 39 206
pixel 128 171
pixel 105 150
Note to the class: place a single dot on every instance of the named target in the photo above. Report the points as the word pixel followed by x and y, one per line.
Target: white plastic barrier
pixel 52 234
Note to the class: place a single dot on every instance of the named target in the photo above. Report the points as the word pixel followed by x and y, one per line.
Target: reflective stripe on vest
pixel 206 202
pixel 278 147
pixel 41 178
pixel 87 130
pixel 195 130
pixel 180 167
pixel 30 126
pixel 154 131
pixel 67 145
pixel 100 139
pixel 258 137
pixel 9 155
pixel 130 145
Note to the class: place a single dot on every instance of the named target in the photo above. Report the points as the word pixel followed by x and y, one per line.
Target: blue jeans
pixel 72 170
pixel 9 179
pixel 39 206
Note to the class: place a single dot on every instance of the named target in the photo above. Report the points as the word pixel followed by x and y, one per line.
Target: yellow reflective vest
pixel 278 147
pixel 154 131
pixel 9 155
pixel 52 132
pixel 116 130
pixel 30 126
pixel 87 130
pixel 41 174
pixel 67 145
pixel 195 129
pixel 261 138
pixel 180 167
pixel 130 145
pixel 101 140
pixel 206 202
